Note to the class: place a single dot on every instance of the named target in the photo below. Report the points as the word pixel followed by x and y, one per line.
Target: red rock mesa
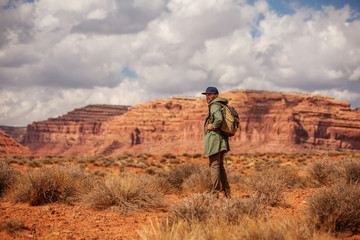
pixel 270 122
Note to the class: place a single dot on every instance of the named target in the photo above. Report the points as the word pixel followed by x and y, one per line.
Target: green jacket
pixel 214 142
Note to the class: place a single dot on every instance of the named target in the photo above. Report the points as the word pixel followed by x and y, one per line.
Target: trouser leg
pixel 215 174
pixel 218 174
pixel 223 176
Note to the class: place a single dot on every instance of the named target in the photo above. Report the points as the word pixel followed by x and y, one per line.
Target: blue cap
pixel 212 90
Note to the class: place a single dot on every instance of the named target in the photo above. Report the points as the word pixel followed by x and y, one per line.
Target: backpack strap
pixel 217 103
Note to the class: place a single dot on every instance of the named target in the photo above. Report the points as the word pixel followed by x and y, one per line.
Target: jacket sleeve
pixel 216 115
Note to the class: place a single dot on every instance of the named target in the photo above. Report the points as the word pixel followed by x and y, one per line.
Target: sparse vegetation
pixel 336 209
pixel 350 171
pixel 49 185
pixel 8 177
pixel 125 193
pixel 200 208
pixel 261 184
pixel 269 187
pixel 13 225
pixel 194 175
pixel 323 172
pixel 245 227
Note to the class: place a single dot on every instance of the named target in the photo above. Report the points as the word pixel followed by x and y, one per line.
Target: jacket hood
pixel 220 99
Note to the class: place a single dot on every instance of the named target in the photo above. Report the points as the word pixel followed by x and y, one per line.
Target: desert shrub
pixel 197 155
pixel 201 208
pixel 294 178
pixel 337 209
pixel 248 228
pixel 323 172
pixel 269 187
pixel 174 161
pixel 196 209
pixel 13 225
pixel 155 164
pixel 169 155
pixel 34 164
pixel 234 210
pixel 199 181
pixel 127 192
pixel 51 184
pixel 172 181
pixel 350 171
pixel 8 177
pixel 150 171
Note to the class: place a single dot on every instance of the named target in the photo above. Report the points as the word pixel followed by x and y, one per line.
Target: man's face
pixel 210 97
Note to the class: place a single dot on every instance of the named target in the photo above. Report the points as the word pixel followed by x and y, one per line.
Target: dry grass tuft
pixel 247 229
pixel 350 171
pixel 327 172
pixel 13 225
pixel 8 177
pixel 196 209
pixel 269 187
pixel 51 184
pixel 200 208
pixel 323 171
pixel 192 177
pixel 127 192
pixel 336 210
pixel 295 178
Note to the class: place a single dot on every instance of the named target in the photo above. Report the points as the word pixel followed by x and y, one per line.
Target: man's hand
pixel 209 127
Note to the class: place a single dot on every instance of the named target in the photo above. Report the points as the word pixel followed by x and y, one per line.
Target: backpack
pixel 230 123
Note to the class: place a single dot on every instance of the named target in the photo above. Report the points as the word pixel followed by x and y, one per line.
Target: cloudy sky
pixel 59 55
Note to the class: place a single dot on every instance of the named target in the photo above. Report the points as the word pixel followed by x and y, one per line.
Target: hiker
pixel 215 143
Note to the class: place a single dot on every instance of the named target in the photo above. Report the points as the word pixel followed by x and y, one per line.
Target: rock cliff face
pixel 9 146
pixel 270 122
pixel 16 133
pixel 70 134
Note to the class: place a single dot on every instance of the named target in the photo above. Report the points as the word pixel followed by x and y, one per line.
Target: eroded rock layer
pixel 16 133
pixel 74 133
pixel 270 122
pixel 9 146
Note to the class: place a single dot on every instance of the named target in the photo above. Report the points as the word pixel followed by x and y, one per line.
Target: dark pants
pixel 218 174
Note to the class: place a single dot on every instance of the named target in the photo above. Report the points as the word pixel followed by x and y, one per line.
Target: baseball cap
pixel 210 90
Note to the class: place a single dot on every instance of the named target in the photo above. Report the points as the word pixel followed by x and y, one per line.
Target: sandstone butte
pixel 9 146
pixel 270 122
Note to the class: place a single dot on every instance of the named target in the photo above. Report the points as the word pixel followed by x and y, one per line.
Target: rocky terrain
pixel 9 146
pixel 75 130
pixel 16 133
pixel 270 122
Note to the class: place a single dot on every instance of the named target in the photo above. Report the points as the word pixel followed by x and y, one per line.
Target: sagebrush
pixel 127 192
pixel 51 184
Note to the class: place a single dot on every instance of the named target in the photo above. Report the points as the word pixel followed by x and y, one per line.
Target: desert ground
pixel 274 196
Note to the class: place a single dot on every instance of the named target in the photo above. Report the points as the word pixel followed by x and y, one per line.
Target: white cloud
pixel 342 95
pixel 355 75
pixel 18 108
pixel 69 54
pixel 97 14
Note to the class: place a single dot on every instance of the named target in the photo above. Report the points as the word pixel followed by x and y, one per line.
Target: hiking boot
pixel 227 193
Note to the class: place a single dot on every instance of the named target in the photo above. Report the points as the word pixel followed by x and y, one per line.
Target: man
pixel 215 144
